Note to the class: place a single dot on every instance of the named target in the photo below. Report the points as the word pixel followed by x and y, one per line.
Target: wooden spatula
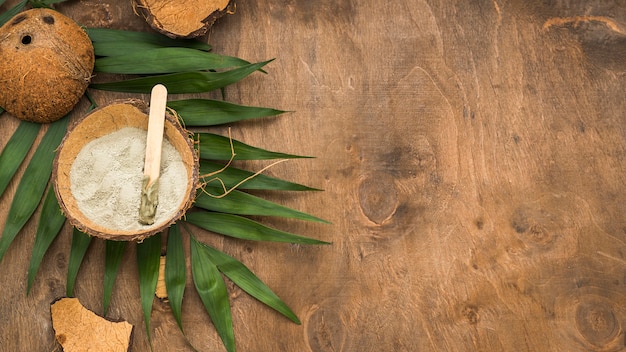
pixel 152 163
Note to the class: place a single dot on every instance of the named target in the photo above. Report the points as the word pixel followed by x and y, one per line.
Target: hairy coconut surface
pixel 46 63
pixel 182 18
pixel 101 123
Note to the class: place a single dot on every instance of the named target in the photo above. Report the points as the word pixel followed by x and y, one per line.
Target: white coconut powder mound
pixel 105 180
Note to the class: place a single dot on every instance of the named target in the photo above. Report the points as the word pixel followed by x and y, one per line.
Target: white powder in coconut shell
pixel 105 180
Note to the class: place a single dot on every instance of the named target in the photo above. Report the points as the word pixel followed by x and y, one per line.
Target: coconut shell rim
pixel 129 235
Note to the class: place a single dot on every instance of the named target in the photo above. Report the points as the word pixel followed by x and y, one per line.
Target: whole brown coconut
pixel 46 62
pixel 182 18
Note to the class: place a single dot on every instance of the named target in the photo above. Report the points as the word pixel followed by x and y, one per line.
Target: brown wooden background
pixel 472 155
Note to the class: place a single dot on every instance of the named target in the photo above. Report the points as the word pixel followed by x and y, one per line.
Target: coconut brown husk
pixel 105 120
pixel 182 18
pixel 46 63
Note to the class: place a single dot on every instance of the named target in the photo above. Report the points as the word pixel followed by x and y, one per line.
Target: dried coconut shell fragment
pixel 46 63
pixel 182 18
pixel 78 329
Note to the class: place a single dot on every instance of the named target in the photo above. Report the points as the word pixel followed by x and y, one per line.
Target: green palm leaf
pixel 44 3
pixel 207 112
pixel 175 272
pixel 182 82
pixel 114 252
pixel 244 228
pixel 216 147
pixel 50 222
pixel 166 60
pixel 113 49
pixel 184 67
pixel 80 244
pixel 15 151
pixel 249 282
pixel 232 176
pixel 121 37
pixel 5 17
pixel 148 262
pixel 212 291
pixel 33 184
pixel 237 202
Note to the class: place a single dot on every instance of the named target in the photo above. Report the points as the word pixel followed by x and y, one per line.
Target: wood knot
pixel 470 313
pixel 597 323
pixel 325 331
pixel 539 235
pixel 378 197
pixel 531 229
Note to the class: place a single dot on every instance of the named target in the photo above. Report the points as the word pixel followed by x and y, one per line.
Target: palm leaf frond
pixel 182 82
pixel 207 112
pixel 175 272
pixel 15 151
pixel 50 222
pixel 148 262
pixel 114 252
pixel 212 291
pixel 249 282
pixel 31 187
pixel 243 228
pixel 80 244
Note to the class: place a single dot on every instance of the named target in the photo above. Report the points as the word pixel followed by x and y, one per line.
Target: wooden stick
pixel 152 163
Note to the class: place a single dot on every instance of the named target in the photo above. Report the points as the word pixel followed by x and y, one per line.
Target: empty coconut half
pixel 98 172
pixel 46 63
pixel 182 18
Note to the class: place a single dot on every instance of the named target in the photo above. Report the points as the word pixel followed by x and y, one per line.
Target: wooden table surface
pixel 472 156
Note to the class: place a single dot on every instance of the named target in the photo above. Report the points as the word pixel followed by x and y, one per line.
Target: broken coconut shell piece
pixel 98 172
pixel 78 329
pixel 182 18
pixel 46 63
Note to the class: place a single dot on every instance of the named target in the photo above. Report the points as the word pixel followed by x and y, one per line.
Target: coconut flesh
pixel 46 63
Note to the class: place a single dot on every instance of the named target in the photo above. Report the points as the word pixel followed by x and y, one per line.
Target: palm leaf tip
pixel 207 112
pixel 249 282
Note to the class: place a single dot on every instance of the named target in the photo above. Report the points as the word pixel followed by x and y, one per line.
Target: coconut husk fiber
pixel 46 63
pixel 182 18
pixel 103 122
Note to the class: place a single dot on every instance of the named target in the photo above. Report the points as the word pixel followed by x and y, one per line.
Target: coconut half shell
pixel 182 18
pixel 46 63
pixel 101 122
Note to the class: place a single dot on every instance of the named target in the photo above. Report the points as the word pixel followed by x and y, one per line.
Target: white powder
pixel 105 180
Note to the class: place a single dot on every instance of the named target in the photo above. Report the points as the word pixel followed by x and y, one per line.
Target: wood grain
pixel 472 156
